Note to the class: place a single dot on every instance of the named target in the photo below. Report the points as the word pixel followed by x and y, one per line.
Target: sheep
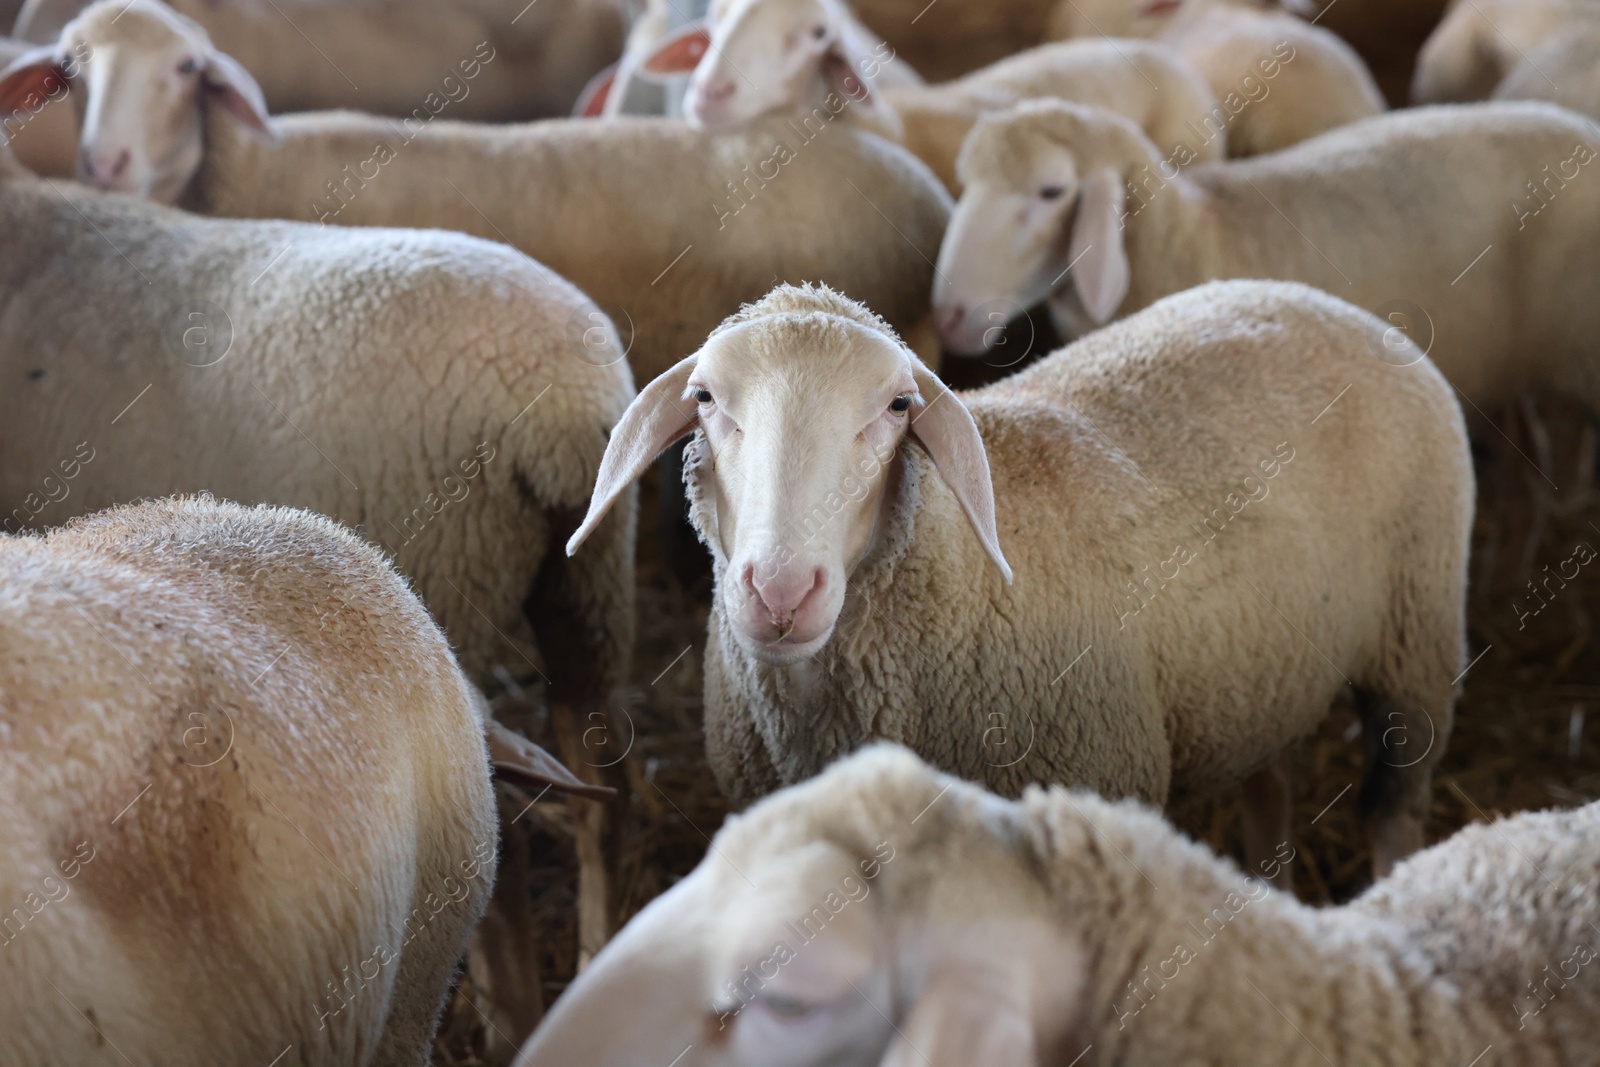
pixel 1279 80
pixel 1528 50
pixel 247 804
pixel 852 600
pixel 795 74
pixel 1499 295
pixel 491 62
pixel 431 389
pixel 884 913
pixel 674 229
pixel 1569 59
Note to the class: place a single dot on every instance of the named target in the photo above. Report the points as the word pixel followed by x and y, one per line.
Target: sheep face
pixel 801 453
pixel 149 74
pixel 809 937
pixel 804 399
pixel 1006 248
pixel 1041 208
pixel 763 56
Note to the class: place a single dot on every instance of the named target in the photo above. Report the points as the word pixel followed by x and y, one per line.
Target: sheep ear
pixel 945 428
pixel 33 75
pixel 232 86
pixel 592 101
pixel 1100 262
pixel 680 53
pixel 519 760
pixel 1158 9
pixel 657 417
pixel 963 1018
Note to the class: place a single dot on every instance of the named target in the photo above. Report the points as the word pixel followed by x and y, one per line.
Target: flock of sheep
pixel 320 426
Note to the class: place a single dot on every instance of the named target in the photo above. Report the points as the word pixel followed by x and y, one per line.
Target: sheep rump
pixel 244 767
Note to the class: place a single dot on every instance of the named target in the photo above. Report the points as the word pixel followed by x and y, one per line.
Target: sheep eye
pixel 786 1007
pixel 1051 192
pixel 702 396
pixel 900 404
pixel 819 32
pixel 189 66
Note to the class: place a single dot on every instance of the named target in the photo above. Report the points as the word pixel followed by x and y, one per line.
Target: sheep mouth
pixel 778 648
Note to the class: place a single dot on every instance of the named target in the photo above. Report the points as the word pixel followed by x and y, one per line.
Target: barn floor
pixel 1521 739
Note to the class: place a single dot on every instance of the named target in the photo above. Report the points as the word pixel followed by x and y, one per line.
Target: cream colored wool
pixel 1144 82
pixel 1112 663
pixel 1461 212
pixel 1562 68
pixel 945 927
pixel 1279 80
pixel 737 209
pixel 248 802
pixel 1477 44
pixel 420 386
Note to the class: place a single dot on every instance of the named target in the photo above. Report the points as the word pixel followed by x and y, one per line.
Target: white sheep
pixel 1523 50
pixel 1439 218
pixel 399 57
pixel 1279 80
pixel 1211 540
pixel 443 394
pixel 1562 69
pixel 886 914
pixel 673 230
pixel 792 58
pixel 248 811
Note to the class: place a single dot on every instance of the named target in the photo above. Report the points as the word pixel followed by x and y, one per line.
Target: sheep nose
pixel 95 163
pixel 785 593
pixel 948 320
pixel 715 92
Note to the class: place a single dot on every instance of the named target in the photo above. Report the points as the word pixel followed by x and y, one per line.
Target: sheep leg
pixel 504 958
pixel 1267 807
pixel 588 824
pixel 1403 742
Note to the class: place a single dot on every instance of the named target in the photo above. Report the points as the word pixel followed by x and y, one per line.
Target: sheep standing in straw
pixel 1219 514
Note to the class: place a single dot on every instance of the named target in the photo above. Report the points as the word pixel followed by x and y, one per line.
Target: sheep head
pixel 1041 208
pixel 765 57
pixel 803 398
pixel 146 76
pixel 880 915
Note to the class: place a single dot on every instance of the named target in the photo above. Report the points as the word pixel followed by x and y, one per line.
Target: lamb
pixel 1153 645
pixel 490 62
pixel 674 229
pixel 1502 286
pixel 1528 50
pixel 887 914
pixel 1280 80
pixel 426 388
pixel 797 73
pixel 248 809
